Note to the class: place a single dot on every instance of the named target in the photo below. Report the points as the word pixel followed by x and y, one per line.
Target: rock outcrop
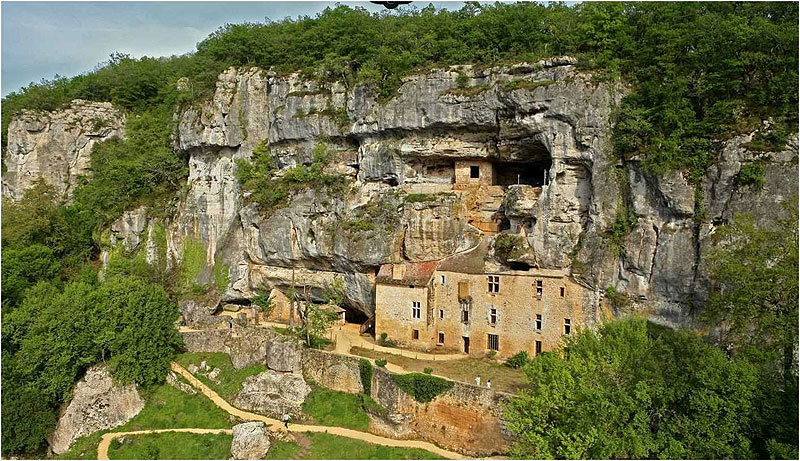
pixel 56 146
pixel 250 441
pixel 273 393
pixel 97 403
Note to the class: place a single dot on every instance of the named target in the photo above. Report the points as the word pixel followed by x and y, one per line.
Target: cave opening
pixel 534 174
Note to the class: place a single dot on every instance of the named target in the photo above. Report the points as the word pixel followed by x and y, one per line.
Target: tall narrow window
pixel 567 326
pixel 493 315
pixel 539 289
pixel 538 347
pixel 562 292
pixel 441 314
pixel 465 312
pixel 442 279
pixel 414 334
pixel 416 310
pixel 539 322
pixel 494 342
pixel 494 284
pixel 474 171
pixel 441 338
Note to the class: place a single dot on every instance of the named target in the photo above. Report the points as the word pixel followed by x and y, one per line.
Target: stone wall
pixel 332 371
pixel 465 418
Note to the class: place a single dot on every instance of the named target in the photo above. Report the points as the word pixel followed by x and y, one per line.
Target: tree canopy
pixel 634 390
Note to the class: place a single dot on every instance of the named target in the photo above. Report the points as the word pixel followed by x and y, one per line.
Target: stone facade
pixel 472 307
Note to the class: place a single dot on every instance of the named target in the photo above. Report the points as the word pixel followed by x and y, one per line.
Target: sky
pixel 42 39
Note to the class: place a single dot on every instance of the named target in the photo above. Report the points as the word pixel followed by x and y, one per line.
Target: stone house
pixel 468 305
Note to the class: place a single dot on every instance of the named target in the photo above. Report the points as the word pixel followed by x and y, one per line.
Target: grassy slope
pixel 332 408
pixel 326 446
pixel 503 378
pixel 230 378
pixel 173 445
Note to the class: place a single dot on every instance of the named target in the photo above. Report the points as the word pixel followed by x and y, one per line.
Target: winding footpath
pixel 274 424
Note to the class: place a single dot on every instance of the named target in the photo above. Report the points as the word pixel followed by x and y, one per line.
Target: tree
pixel 634 390
pixel 22 268
pixel 753 303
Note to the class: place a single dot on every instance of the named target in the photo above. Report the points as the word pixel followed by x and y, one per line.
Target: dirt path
pixel 275 425
pixel 105 441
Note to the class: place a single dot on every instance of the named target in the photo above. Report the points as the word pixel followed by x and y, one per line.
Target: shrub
pixel 517 360
pixel 428 371
pixel 381 363
pixel 751 174
pixel 509 246
pixel 617 299
pixel 422 387
pixel 366 371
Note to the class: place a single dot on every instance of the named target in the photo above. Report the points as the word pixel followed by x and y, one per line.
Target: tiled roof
pixel 418 274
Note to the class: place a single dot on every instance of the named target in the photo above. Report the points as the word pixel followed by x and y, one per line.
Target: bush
pixel 422 387
pixel 366 371
pixel 380 362
pixel 751 174
pixel 517 360
pixel 428 371
pixel 508 246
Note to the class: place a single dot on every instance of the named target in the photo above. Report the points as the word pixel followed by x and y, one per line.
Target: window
pixel 474 171
pixel 441 337
pixel 441 313
pixel 539 289
pixel 538 347
pixel 539 322
pixel 567 326
pixel 442 279
pixel 414 334
pixel 416 310
pixel 494 284
pixel 465 312
pixel 494 342
pixel 493 315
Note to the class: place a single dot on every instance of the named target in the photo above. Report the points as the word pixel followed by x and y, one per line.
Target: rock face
pixel 250 441
pixel 543 128
pixel 56 146
pixel 273 393
pixel 97 403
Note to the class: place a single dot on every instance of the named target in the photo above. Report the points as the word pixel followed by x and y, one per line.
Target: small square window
pixel 539 289
pixel 441 337
pixel 494 342
pixel 474 172
pixel 414 334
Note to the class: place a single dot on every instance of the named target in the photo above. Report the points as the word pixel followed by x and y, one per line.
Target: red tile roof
pixel 418 274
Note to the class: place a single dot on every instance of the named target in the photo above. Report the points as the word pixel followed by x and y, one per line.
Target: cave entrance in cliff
pixel 529 162
pixel 534 174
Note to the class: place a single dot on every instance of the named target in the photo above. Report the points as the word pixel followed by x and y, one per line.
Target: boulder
pixel 174 381
pixel 273 393
pixel 284 355
pixel 250 441
pixel 97 403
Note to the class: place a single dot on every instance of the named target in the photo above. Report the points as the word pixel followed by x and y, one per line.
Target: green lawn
pixel 230 378
pixel 326 446
pixel 165 408
pixel 172 445
pixel 332 408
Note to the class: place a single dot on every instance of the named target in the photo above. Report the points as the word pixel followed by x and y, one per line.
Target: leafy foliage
pixel 517 360
pixel 270 191
pixel 751 174
pixel 365 372
pixel 754 300
pixel 422 387
pixel 634 390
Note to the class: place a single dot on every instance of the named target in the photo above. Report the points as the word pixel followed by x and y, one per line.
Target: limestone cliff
pixel 542 129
